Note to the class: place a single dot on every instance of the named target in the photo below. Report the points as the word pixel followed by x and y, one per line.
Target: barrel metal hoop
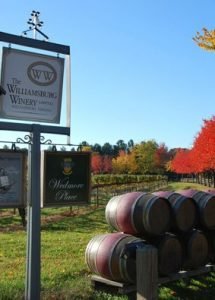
pixel 149 203
pixel 132 211
pixel 114 245
pixel 93 263
pixel 177 202
pixel 203 205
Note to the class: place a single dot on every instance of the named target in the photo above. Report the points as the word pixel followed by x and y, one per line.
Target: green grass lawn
pixel 64 274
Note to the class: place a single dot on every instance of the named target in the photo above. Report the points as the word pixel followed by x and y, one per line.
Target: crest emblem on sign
pixel 67 166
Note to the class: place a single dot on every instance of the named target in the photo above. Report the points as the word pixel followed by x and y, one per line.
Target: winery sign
pixel 33 84
pixel 65 178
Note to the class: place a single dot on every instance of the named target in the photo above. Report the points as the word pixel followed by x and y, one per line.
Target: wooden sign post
pixel 147 273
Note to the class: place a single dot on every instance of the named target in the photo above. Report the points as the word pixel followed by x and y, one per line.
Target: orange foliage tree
pixel 120 163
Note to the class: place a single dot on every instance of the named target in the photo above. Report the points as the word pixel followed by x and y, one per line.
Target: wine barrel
pixel 188 192
pixel 211 191
pixel 210 235
pixel 170 253
pixel 206 206
pixel 138 213
pixel 113 256
pixel 184 210
pixel 196 249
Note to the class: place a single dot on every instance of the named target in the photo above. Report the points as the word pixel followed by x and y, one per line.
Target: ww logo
pixel 42 73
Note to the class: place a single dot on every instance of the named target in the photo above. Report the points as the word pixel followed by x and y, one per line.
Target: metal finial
pixel 34 23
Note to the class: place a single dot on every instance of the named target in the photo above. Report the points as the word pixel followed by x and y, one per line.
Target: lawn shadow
pixel 87 222
pixel 196 288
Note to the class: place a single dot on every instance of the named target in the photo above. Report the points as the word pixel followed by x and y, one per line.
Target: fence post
pixel 97 196
pixel 147 273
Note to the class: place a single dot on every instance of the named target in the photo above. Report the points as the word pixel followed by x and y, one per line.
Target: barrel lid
pixel 208 211
pixel 157 215
pixel 170 254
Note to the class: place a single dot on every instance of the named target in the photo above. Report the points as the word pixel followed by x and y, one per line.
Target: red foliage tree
pixel 201 157
pixel 101 163
pixel 204 146
pixel 107 164
pixel 182 162
pixel 161 157
pixel 96 164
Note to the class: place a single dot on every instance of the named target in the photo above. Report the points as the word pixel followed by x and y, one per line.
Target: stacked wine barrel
pixel 181 225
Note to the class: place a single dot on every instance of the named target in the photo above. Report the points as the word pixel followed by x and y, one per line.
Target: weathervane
pixel 34 23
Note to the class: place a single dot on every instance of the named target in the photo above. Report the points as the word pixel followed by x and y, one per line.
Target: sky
pixel 136 72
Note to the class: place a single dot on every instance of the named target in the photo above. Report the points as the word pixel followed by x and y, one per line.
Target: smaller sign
pixel 65 178
pixel 12 179
pixel 33 84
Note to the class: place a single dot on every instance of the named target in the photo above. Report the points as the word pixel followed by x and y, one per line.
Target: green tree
pixel 107 149
pixel 97 148
pixel 121 145
pixel 84 143
pixel 130 145
pixel 145 153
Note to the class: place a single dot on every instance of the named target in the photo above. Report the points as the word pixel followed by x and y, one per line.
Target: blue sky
pixel 136 73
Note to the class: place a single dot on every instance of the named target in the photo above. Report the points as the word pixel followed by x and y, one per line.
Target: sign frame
pixel 35 92
pixel 69 189
pixel 8 178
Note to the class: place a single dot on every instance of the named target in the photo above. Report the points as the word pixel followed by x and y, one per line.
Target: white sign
pixel 33 84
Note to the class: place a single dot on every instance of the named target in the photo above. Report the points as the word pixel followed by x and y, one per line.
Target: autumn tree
pixel 161 158
pixel 107 164
pixel 204 146
pixel 120 163
pixel 96 164
pixel 182 162
pixel 201 158
pixel 145 156
pixel 206 40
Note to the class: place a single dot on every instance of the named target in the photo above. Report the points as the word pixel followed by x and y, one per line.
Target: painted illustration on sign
pixel 65 178
pixel 11 179
pixel 33 84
